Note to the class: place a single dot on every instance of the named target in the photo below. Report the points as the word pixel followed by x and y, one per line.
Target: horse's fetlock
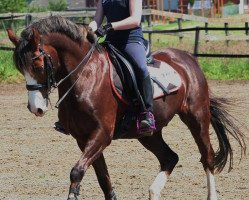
pixel 76 175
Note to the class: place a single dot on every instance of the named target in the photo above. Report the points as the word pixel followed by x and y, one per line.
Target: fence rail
pixel 149 12
pixel 197 38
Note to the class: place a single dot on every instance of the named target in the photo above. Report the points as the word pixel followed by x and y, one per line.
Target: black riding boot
pixel 146 122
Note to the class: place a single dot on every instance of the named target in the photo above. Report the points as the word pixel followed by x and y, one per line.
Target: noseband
pixel 49 70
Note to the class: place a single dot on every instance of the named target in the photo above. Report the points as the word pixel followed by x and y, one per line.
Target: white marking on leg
pixel 212 195
pixel 35 98
pixel 158 185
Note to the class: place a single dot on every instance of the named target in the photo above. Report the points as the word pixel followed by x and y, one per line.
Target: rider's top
pixel 116 10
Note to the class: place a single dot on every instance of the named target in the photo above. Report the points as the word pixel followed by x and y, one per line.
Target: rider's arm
pixel 135 7
pixel 98 18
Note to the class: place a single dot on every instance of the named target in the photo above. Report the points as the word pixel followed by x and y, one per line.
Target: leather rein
pixel 49 70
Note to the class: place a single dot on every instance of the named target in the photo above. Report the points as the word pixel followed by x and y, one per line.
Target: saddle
pixel 165 80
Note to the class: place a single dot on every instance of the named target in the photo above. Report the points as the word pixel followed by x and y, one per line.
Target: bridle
pixel 49 70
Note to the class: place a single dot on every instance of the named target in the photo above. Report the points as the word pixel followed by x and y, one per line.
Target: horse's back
pixel 184 63
pixel 192 76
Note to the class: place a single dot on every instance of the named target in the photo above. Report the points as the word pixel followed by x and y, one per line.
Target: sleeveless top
pixel 116 10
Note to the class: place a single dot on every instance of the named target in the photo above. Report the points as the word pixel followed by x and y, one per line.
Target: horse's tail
pixel 224 126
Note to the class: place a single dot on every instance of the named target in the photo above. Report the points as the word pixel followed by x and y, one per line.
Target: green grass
pixel 8 73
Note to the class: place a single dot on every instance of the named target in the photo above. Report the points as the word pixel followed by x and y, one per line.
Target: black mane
pixel 52 24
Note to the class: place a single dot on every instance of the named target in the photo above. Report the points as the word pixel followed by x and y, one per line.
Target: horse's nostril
pixel 40 111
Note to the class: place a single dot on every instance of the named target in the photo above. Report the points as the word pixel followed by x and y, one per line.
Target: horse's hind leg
pixel 167 159
pixel 198 122
pixel 101 171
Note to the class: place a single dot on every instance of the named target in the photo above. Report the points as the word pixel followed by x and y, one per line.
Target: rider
pixel 124 32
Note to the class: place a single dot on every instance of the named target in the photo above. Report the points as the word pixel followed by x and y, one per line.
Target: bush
pixel 58 5
pixel 13 6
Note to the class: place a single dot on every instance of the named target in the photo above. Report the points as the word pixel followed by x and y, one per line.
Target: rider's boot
pixel 146 123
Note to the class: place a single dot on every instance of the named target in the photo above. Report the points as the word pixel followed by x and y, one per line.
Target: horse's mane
pixel 52 24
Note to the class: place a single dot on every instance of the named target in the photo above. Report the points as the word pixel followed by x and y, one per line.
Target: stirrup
pixel 58 127
pixel 146 124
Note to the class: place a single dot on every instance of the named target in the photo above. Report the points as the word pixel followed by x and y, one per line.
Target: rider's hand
pixel 92 27
pixel 103 30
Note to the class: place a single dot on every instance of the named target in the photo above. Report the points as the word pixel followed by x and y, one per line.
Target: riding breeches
pixel 136 54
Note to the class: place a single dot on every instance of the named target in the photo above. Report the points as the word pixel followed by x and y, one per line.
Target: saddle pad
pixel 167 76
pixel 161 71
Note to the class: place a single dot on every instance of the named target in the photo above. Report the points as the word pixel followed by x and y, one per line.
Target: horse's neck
pixel 69 56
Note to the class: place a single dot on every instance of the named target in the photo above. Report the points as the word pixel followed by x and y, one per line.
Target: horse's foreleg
pixel 101 171
pixel 167 159
pixel 91 149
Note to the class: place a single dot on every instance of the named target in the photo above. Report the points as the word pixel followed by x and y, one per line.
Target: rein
pixel 87 57
pixel 50 74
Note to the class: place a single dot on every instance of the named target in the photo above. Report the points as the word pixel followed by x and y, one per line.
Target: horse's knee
pixel 76 174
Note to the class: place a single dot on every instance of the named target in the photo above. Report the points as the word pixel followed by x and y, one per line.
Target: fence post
pixel 206 31
pixel 197 37
pixel 247 31
pixel 149 34
pixel 206 26
pixel 12 22
pixel 179 21
pixel 226 32
pixel 28 19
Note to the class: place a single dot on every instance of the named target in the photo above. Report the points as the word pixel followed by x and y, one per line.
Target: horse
pixel 56 52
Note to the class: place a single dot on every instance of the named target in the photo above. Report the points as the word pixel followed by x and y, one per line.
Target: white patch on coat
pixel 35 99
pixel 158 185
pixel 212 195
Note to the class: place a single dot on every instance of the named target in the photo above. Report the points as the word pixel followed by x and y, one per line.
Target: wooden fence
pixel 148 13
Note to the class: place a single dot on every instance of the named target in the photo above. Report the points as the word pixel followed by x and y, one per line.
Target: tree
pixel 13 6
pixel 191 2
pixel 58 5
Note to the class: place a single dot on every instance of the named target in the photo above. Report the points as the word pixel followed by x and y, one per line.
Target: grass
pixel 8 73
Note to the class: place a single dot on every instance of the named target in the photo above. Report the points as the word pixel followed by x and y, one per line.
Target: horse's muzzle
pixel 37 112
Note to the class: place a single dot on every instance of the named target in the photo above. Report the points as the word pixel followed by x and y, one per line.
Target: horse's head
pixel 39 53
pixel 34 63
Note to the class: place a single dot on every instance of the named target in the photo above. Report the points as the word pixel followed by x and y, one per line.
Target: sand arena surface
pixel 35 160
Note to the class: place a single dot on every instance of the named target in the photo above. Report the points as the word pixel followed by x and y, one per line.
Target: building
pixel 180 6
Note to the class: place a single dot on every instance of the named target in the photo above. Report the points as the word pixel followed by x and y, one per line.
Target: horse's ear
pixel 35 39
pixel 12 36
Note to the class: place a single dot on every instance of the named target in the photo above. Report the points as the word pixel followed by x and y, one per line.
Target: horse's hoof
pixel 111 196
pixel 74 198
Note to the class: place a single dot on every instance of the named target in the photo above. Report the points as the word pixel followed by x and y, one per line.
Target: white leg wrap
pixel 158 185
pixel 212 195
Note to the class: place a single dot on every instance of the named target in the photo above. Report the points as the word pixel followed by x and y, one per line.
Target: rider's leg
pixel 137 55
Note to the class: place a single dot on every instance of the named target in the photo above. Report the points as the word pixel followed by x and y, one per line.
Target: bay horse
pixel 55 50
